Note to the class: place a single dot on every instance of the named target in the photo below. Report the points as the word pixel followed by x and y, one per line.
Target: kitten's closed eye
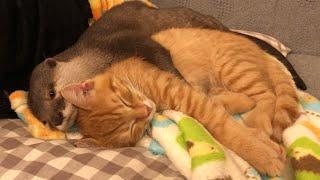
pixel 125 102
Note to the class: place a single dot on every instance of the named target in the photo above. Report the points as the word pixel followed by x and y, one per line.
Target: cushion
pixel 308 67
pixel 296 23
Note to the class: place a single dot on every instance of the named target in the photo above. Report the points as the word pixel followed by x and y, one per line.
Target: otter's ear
pixel 51 62
pixel 80 94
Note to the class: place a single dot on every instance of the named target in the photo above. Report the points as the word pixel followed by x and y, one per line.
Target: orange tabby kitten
pixel 115 109
pixel 214 61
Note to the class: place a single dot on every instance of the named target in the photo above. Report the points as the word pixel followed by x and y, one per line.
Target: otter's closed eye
pixel 52 93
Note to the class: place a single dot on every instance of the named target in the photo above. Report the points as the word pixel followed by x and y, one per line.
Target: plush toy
pixel 19 104
pixel 18 101
pixel 303 140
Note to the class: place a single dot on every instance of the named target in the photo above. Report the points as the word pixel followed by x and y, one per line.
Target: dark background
pixel 30 31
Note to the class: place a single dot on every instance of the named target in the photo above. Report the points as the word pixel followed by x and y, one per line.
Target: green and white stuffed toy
pixel 193 151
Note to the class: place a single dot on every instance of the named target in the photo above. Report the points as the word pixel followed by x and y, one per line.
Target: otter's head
pixel 45 99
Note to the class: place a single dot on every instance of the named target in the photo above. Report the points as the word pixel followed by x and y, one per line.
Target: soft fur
pixel 117 105
pixel 213 62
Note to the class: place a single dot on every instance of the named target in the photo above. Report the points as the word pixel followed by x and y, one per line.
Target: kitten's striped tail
pixel 287 107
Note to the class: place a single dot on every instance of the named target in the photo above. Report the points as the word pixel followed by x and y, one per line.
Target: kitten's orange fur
pixel 211 59
pixel 212 62
pixel 114 112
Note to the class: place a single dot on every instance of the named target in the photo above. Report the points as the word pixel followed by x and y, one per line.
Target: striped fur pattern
pixel 114 113
pixel 211 60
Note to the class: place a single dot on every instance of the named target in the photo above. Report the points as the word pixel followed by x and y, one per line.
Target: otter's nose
pixel 58 120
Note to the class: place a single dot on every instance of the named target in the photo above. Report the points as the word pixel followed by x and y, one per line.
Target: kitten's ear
pixel 80 94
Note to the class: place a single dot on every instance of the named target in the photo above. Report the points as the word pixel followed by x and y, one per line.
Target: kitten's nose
pixel 148 109
pixel 143 111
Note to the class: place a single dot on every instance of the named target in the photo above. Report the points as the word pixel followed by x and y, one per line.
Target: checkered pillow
pixel 24 157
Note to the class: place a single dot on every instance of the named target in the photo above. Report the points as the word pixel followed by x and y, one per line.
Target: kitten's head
pixel 110 109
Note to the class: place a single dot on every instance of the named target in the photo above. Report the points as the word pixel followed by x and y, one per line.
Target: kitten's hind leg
pixel 234 102
pixel 260 161
pixel 253 146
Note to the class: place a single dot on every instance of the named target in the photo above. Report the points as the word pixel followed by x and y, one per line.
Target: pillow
pixel 284 50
